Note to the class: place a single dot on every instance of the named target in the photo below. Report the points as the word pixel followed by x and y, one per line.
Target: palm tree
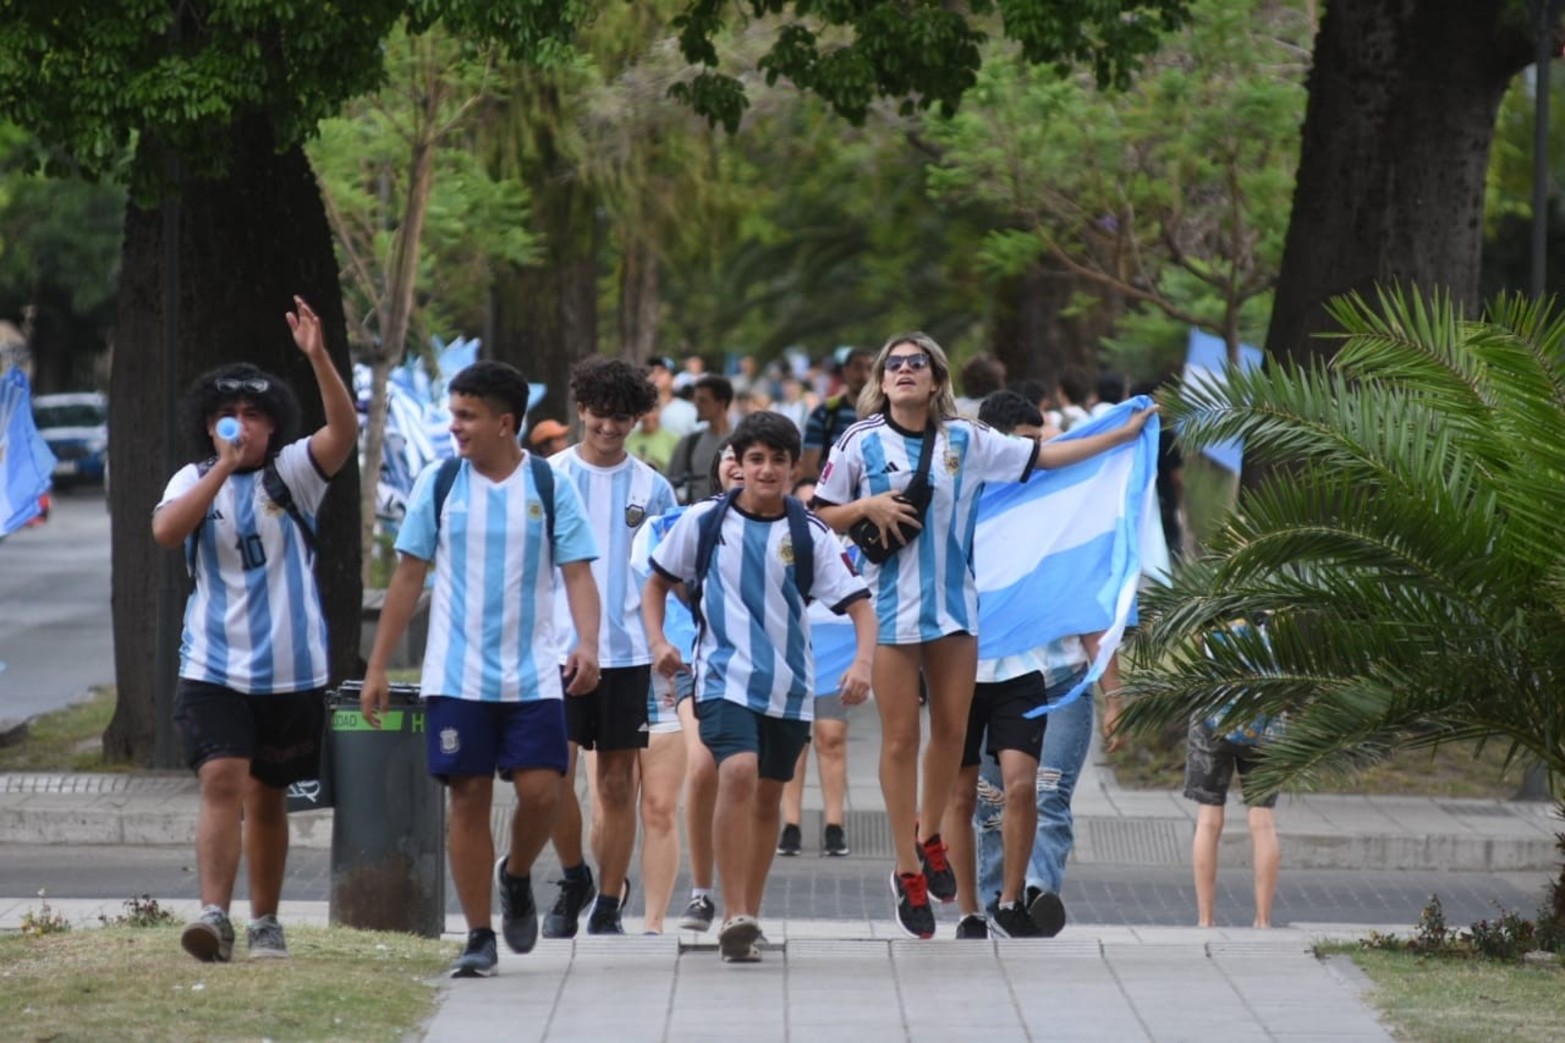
pixel 1408 542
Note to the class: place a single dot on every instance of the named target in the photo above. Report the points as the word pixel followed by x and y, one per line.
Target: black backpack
pixel 711 525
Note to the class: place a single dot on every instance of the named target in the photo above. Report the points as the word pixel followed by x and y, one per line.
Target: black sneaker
pixel 518 911
pixel 790 841
pixel 836 842
pixel 572 899
pixel 698 914
pixel 911 895
pixel 479 958
pixel 603 920
pixel 1046 911
pixel 1012 921
pixel 937 869
pixel 972 925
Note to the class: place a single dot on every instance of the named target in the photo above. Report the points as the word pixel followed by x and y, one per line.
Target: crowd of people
pixel 648 614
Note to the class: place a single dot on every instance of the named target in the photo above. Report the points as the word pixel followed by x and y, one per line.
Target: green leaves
pixel 1406 541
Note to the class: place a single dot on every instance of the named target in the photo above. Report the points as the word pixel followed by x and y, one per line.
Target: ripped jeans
pixel 1065 744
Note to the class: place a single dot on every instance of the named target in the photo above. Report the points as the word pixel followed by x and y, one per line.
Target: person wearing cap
pixel 675 415
pixel 548 437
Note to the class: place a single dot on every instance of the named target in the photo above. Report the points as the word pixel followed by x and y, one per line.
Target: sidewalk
pixel 826 981
pixel 1114 826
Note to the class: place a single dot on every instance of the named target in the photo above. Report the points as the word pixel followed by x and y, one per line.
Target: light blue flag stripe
pixel 26 462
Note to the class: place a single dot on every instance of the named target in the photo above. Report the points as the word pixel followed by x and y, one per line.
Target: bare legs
pixel 662 775
pixel 1265 852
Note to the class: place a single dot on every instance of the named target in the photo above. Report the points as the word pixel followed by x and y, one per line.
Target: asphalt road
pixel 56 632
pixel 811 887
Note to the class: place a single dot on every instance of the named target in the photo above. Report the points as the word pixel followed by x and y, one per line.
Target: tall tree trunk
pixel 1033 337
pixel 1403 96
pixel 640 300
pixel 246 245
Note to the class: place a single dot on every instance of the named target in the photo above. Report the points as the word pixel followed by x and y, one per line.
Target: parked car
pixel 76 426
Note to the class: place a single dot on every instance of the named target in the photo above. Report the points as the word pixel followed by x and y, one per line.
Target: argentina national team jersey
pixel 254 622
pixel 926 590
pixel 617 501
pixel 755 647
pixel 491 613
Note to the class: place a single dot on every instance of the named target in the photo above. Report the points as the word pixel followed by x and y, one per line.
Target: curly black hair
pixel 498 383
pixel 242 382
pixel 612 387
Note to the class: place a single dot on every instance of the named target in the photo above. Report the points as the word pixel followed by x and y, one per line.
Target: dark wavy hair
pixel 1004 410
pixel 204 400
pixel 764 427
pixel 611 387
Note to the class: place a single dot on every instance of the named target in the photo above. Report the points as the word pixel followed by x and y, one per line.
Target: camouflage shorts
pixel 1210 766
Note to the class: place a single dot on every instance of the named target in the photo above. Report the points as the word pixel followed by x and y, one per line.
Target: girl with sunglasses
pixel 925 594
pixel 253 655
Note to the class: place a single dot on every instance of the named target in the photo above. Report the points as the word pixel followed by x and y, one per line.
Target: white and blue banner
pixel 1060 554
pixel 26 462
pixel 1206 362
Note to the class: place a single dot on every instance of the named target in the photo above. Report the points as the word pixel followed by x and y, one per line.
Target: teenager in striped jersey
pixel 253 655
pixel 926 599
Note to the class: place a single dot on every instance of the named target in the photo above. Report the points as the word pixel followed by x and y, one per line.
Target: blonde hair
pixel 872 399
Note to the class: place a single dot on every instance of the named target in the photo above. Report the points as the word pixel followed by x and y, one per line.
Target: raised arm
pixel 332 444
pixel 1073 450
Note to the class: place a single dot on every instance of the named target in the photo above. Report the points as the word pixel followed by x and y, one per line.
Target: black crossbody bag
pixel 918 493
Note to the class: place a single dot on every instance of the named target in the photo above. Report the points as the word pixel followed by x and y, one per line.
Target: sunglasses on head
pixel 233 385
pixel 913 362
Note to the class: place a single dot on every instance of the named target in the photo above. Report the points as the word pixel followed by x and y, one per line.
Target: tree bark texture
pixel 640 300
pixel 247 244
pixel 1031 334
pixel 1403 96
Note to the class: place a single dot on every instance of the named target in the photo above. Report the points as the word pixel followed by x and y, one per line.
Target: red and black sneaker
pixel 937 869
pixel 913 913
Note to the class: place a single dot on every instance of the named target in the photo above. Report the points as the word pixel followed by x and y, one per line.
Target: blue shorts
pixel 468 737
pixel 728 728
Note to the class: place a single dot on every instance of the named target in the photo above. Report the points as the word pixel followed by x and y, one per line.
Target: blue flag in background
pixel 26 463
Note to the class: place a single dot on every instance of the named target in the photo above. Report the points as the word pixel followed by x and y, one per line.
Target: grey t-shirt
pixel 691 468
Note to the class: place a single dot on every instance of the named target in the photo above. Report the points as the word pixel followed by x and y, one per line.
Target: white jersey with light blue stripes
pixel 926 590
pixel 616 500
pixel 254 623
pixel 491 614
pixel 754 648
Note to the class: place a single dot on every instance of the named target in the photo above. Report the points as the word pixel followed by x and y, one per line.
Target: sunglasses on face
pixel 233 385
pixel 912 362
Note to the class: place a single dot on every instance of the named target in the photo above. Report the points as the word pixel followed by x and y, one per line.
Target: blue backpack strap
pixel 803 545
pixel 445 478
pixel 710 525
pixel 543 478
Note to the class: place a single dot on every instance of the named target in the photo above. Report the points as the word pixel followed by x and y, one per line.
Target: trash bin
pixel 388 852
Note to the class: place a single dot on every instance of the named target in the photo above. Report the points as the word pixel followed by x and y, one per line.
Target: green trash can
pixel 388 851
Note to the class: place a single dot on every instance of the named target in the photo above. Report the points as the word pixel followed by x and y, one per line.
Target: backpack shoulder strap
pixel 708 529
pixel 543 478
pixel 803 546
pixel 445 478
pixel 193 541
pixel 278 492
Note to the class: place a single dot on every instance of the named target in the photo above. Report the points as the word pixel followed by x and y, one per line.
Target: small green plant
pixel 1507 938
pixel 141 911
pixel 1384 942
pixel 44 920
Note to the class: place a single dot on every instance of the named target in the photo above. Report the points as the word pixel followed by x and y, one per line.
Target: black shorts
pixel 613 716
pixel 728 729
pixel 1002 708
pixel 279 734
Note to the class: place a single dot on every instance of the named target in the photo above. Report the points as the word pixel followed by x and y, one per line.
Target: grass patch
pixel 127 983
pixel 1453 770
pixel 70 739
pixel 1452 1000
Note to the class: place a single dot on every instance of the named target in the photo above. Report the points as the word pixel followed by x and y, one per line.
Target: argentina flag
pixel 1061 554
pixel 26 463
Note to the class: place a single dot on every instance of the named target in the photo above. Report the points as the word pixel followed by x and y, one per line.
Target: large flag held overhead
pixel 26 463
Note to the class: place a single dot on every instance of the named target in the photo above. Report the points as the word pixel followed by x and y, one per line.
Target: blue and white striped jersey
pixel 1057 661
pixel 755 647
pixel 254 622
pixel 616 500
pixel 926 590
pixel 491 614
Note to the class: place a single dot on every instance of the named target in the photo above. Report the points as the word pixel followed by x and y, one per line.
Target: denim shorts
pixel 469 737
